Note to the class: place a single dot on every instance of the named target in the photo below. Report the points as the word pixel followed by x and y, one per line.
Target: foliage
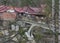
pixel 22 33
pixel 48 8
pixel 21 3
pixel 49 32
pixel 4 2
pixel 38 36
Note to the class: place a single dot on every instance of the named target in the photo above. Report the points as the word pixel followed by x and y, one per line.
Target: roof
pixel 26 9
pixel 3 8
pixel 20 10
pixel 30 10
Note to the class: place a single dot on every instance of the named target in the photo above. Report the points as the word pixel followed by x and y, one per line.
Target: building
pixel 6 16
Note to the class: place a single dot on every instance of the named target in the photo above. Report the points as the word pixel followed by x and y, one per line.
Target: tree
pixel 4 2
